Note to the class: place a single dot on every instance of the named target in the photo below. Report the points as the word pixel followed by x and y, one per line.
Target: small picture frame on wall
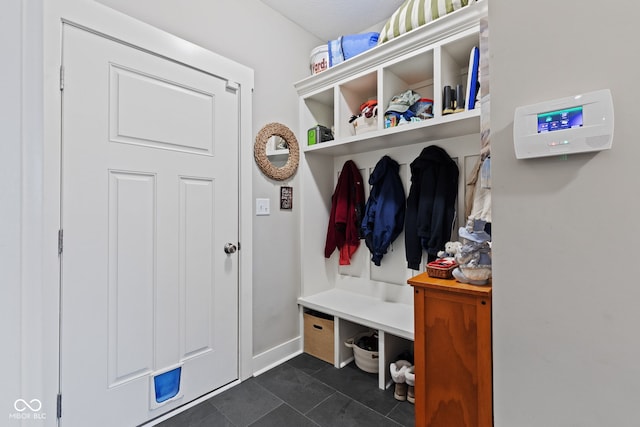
pixel 286 198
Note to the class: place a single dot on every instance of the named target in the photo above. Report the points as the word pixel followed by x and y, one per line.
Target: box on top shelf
pixel 348 46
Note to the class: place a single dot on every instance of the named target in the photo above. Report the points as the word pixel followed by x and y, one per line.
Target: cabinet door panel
pixel 451 360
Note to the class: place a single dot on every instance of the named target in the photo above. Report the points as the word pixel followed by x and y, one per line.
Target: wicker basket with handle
pixel 441 268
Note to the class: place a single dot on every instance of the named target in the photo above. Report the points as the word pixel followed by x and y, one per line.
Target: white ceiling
pixel 330 19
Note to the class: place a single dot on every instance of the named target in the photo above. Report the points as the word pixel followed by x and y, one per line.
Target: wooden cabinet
pixel 452 353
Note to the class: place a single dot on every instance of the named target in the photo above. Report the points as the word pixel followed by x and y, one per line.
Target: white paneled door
pixel 149 201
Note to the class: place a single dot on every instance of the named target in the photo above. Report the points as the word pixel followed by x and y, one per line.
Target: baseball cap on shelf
pixel 401 102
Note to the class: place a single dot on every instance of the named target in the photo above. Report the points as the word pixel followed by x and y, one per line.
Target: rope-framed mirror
pixel 264 153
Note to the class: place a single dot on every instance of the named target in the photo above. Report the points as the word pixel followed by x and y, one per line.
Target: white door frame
pixel 40 371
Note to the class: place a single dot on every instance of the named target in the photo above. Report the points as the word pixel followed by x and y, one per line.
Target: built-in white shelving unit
pixel 363 295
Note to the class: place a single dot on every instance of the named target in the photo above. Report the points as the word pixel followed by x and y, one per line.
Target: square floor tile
pixel 308 364
pixel 284 416
pixel 299 390
pixel 195 416
pixel 245 403
pixel 341 411
pixel 404 413
pixel 216 419
pixel 359 385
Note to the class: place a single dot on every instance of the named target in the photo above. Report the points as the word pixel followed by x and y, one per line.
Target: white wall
pixel 252 34
pixel 565 309
pixel 10 200
pixel 21 329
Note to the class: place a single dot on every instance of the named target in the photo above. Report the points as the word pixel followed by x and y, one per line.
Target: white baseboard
pixel 346 362
pixel 276 356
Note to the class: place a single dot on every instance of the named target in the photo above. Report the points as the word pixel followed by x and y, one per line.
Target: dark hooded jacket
pixel 383 217
pixel 347 206
pixel 431 204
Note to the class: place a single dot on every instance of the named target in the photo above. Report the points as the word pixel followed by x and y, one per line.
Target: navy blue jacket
pixel 384 211
pixel 431 205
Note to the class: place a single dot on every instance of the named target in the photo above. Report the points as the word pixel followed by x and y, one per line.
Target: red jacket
pixel 347 207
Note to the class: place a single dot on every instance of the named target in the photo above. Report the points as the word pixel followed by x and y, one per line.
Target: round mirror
pixel 276 151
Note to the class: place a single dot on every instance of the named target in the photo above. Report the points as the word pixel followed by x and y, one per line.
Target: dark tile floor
pixel 302 392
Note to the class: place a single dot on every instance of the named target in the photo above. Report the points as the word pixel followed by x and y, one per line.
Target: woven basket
pixel 367 360
pixel 439 270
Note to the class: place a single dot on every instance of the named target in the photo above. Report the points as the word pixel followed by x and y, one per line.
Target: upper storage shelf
pixel 424 60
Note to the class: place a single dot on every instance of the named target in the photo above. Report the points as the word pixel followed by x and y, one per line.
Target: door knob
pixel 230 248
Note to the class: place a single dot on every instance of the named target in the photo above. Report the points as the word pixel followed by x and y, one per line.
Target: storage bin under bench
pixel 318 335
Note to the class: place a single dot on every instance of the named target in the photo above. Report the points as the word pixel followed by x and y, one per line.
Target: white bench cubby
pixel 354 313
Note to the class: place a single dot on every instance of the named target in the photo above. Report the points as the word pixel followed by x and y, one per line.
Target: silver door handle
pixel 230 248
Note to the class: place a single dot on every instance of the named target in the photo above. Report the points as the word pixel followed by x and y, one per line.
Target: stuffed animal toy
pixel 450 250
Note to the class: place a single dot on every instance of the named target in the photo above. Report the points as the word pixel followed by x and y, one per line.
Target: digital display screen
pixel 560 119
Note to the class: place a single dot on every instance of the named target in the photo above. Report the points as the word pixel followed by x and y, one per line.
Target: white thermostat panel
pixel 575 124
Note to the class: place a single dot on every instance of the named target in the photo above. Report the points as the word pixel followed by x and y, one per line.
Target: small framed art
pixel 286 198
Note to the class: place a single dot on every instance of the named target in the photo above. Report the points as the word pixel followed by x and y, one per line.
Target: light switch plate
pixel 262 207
